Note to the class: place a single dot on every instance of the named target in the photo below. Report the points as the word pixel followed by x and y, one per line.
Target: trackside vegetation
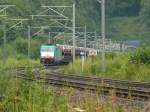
pixel 128 66
pixel 18 95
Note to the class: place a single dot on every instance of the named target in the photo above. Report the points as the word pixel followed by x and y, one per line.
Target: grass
pixel 18 95
pixel 118 66
pixel 12 63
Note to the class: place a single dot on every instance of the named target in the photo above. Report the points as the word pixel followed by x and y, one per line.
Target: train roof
pixel 50 45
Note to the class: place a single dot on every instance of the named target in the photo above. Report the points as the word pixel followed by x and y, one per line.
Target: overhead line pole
pixel 49 38
pixel 3 9
pixel 95 39
pixel 4 45
pixel 85 40
pixel 29 40
pixel 74 33
pixel 103 35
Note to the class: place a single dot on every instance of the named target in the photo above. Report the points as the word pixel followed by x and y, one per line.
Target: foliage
pixel 18 62
pixel 123 7
pixel 141 56
pixel 18 95
pixel 88 12
pixel 118 66
pixel 145 13
pixel 21 45
pixel 126 18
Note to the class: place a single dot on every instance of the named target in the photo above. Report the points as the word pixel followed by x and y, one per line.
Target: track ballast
pixel 123 89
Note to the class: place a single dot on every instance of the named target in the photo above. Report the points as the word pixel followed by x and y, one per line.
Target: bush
pixel 141 56
pixel 111 55
pixel 22 47
pixel 17 95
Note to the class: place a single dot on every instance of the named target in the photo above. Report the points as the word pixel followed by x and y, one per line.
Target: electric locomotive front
pixel 50 54
pixel 47 54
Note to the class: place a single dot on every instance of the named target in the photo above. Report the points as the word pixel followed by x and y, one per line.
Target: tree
pixel 145 13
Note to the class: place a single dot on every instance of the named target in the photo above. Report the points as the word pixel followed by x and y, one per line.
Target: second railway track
pixel 123 89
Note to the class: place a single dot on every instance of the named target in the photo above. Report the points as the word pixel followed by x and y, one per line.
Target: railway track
pixel 48 66
pixel 123 89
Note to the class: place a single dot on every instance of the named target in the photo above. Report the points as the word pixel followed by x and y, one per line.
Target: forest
pixel 125 20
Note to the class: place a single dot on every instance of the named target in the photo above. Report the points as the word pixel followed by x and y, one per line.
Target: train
pixel 57 54
pixel 50 54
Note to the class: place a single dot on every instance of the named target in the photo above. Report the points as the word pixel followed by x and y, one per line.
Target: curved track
pixel 123 89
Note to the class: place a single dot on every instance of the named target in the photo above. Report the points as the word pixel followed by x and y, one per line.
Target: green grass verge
pixel 118 66
pixel 13 62
pixel 18 95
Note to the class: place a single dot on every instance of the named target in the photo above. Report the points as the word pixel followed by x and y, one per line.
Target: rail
pixel 123 89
